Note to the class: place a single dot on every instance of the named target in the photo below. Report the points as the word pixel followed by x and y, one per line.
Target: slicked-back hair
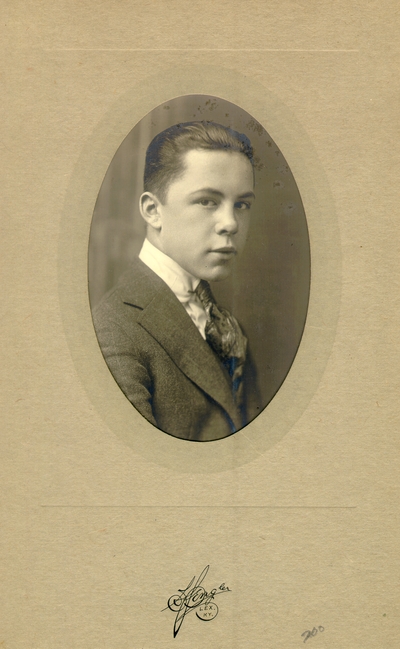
pixel 164 157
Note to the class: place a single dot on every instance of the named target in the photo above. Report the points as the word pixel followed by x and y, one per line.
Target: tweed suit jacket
pixel 162 363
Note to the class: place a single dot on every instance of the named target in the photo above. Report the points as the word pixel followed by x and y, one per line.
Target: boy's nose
pixel 226 220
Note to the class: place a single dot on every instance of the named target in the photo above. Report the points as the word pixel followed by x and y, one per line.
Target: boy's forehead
pixel 229 171
pixel 208 164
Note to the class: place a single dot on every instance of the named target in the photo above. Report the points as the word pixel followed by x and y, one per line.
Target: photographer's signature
pixel 195 598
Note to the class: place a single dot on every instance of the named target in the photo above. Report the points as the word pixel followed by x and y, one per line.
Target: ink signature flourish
pixel 195 598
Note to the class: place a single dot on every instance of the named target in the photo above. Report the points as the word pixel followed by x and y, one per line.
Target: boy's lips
pixel 226 250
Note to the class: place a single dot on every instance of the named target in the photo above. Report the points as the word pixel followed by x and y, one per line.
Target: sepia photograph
pixel 199 268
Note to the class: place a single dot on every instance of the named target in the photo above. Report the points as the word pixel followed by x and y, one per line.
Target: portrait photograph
pixel 199 267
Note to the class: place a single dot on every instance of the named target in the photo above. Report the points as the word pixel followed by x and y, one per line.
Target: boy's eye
pixel 243 205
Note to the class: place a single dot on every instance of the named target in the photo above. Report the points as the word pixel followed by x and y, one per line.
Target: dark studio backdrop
pixel 269 288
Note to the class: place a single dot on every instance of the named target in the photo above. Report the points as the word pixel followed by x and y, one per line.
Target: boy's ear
pixel 150 210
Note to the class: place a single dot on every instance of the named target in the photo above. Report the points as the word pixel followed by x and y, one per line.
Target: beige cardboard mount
pixel 104 517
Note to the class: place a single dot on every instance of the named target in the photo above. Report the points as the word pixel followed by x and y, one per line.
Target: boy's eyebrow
pixel 216 192
pixel 247 195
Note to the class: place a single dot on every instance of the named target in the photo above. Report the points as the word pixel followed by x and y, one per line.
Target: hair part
pixel 164 157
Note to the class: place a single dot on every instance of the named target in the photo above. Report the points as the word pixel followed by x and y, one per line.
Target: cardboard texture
pixel 104 517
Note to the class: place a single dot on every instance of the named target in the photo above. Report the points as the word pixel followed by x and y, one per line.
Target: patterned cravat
pixel 225 338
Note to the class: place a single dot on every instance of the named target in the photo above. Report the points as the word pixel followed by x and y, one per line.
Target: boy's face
pixel 206 215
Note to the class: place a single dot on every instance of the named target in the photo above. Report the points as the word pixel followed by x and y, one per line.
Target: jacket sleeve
pixel 127 365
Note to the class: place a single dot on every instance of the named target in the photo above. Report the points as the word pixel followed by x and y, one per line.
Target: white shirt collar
pixel 179 280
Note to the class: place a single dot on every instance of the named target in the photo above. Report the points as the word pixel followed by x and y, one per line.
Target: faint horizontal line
pixel 203 506
pixel 178 49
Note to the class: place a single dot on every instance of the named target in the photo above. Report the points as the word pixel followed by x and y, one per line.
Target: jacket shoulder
pixel 136 288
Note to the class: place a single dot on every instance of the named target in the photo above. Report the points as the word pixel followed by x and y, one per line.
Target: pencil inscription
pixel 310 634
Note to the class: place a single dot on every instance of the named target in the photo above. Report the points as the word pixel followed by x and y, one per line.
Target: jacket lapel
pixel 166 320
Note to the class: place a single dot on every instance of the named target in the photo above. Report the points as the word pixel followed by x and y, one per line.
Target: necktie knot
pixel 204 293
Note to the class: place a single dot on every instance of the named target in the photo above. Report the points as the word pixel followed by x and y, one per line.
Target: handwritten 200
pixel 310 634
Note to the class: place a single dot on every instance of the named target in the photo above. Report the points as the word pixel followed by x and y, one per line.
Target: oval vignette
pixel 268 290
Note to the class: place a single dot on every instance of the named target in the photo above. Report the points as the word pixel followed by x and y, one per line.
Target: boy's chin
pixel 218 273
